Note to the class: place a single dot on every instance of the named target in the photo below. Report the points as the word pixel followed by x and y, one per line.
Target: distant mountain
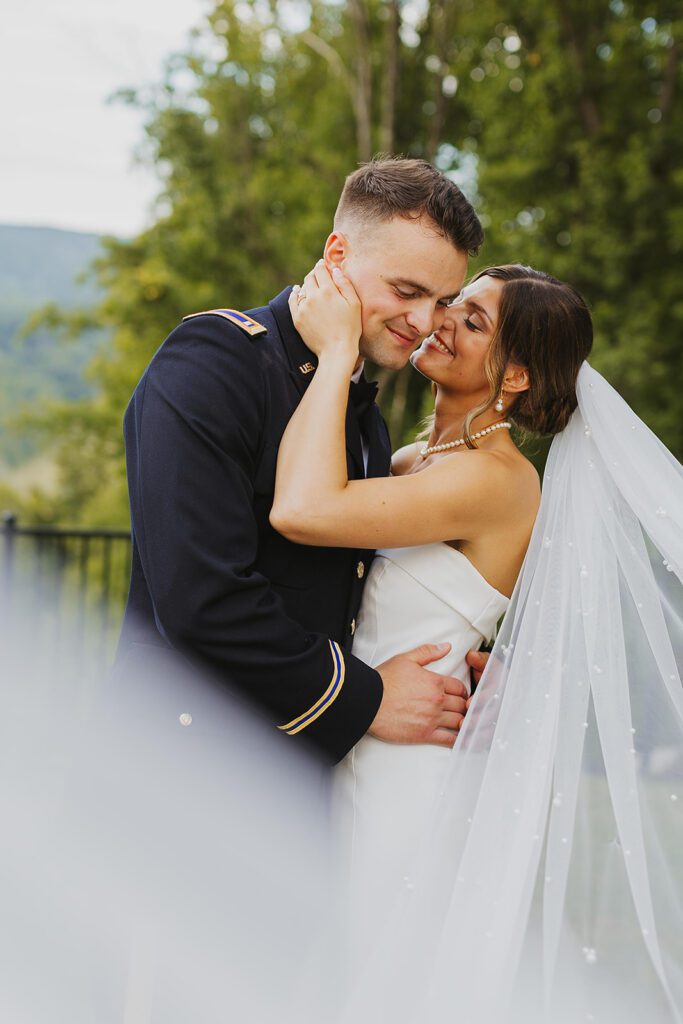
pixel 37 266
pixel 40 265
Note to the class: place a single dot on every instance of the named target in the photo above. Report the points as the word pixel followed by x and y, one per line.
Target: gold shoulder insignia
pixel 235 317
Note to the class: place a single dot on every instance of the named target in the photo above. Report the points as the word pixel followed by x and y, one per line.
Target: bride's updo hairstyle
pixel 545 326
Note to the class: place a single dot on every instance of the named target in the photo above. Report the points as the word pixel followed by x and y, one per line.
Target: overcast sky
pixel 67 156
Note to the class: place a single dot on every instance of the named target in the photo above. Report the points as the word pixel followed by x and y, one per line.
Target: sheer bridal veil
pixel 550 886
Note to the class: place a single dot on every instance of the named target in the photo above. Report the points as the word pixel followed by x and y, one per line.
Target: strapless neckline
pixel 471 567
pixel 452 579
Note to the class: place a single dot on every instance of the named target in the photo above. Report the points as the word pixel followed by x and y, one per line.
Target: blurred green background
pixel 561 120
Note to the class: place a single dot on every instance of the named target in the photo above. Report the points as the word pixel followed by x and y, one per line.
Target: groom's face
pixel 405 273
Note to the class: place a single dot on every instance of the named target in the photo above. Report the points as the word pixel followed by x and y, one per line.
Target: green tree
pixel 562 120
pixel 579 131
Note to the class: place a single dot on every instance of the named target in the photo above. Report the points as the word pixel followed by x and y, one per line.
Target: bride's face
pixel 455 355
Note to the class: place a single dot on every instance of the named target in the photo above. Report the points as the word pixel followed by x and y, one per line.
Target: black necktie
pixel 362 395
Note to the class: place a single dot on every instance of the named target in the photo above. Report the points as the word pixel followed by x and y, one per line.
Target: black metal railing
pixel 67 587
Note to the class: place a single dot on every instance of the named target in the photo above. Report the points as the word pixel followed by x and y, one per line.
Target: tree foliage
pixel 562 120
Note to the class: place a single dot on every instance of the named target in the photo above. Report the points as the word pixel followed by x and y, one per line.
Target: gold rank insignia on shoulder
pixel 306 368
pixel 235 317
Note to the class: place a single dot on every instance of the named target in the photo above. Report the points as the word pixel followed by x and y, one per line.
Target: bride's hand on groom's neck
pixel 326 312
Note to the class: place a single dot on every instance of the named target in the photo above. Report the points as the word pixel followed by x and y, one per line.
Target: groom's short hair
pixel 389 187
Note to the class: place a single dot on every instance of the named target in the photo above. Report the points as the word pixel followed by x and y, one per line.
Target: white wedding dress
pixel 384 791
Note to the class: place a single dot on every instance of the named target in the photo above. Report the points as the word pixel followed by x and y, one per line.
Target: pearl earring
pixel 499 404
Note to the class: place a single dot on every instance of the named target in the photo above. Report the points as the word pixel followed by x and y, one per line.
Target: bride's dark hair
pixel 545 326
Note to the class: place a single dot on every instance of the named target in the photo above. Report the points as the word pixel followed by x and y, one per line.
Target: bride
pixel 541 855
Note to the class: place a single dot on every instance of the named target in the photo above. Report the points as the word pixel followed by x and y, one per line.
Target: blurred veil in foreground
pixel 550 887
pixel 164 856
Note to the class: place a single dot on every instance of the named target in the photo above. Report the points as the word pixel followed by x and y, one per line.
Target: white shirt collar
pixel 355 377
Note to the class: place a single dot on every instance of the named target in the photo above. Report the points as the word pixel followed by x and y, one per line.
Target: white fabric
pixel 383 792
pixel 549 883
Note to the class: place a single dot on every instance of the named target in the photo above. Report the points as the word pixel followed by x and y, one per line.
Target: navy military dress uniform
pixel 212 581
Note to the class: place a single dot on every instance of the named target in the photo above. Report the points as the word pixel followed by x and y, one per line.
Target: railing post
pixel 9 526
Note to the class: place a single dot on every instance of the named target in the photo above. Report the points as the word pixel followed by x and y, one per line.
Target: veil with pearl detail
pixel 550 883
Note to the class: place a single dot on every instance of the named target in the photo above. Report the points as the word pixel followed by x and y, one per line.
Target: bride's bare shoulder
pixel 403 460
pixel 522 478
pixel 503 471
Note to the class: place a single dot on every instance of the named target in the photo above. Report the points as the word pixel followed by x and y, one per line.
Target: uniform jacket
pixel 211 579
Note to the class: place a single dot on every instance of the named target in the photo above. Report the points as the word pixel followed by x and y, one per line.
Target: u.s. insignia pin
pixel 306 368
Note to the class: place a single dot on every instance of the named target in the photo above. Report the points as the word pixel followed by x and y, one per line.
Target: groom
pixel 212 582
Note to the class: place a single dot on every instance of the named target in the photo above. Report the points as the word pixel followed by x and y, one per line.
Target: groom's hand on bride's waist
pixel 419 705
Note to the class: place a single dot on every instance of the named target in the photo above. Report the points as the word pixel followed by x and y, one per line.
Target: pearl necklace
pixel 461 440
